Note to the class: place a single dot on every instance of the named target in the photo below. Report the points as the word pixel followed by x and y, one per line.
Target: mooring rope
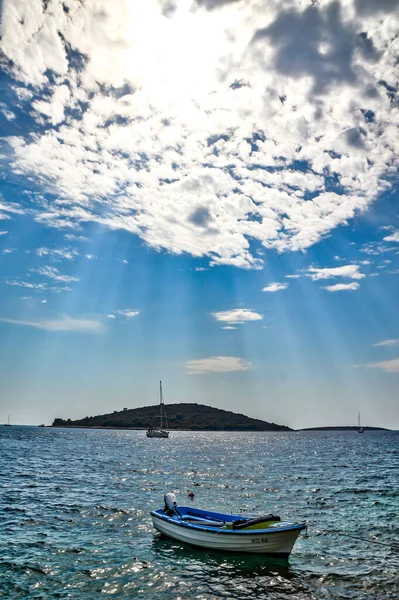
pixel 392 545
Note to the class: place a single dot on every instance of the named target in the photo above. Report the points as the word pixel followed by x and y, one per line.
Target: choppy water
pixel 74 513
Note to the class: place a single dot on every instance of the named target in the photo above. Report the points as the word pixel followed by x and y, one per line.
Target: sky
pixel 203 192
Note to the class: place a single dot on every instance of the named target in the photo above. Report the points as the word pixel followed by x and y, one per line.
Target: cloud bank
pixel 205 128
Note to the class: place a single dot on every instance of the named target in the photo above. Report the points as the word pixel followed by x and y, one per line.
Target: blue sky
pixel 204 193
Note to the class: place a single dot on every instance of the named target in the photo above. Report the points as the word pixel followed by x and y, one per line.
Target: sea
pixel 75 513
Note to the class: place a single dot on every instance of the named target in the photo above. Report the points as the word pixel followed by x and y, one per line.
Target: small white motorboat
pixel 265 534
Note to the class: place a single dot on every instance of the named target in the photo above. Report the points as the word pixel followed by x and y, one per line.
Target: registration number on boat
pixel 259 540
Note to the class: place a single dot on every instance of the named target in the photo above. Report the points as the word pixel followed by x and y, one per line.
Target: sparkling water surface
pixel 75 523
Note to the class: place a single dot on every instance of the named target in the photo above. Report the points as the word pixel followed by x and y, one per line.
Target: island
pixel 192 417
pixel 344 428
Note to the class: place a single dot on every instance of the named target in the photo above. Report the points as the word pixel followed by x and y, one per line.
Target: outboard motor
pixel 170 503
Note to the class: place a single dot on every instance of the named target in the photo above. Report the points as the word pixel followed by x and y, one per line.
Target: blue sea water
pixel 74 513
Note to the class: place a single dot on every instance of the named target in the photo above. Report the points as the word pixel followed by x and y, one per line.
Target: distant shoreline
pixel 327 428
pixel 344 428
pixel 188 417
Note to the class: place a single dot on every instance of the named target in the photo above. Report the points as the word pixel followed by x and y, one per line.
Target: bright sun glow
pixel 170 59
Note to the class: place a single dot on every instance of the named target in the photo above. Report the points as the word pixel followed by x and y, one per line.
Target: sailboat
pixel 159 432
pixel 360 429
pixel 8 424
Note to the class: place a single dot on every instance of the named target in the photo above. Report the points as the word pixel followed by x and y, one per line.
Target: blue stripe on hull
pixel 209 516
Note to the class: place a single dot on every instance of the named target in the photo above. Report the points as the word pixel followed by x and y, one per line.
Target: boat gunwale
pixel 220 530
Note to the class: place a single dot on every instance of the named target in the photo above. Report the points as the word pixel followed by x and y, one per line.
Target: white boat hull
pixel 158 434
pixel 275 543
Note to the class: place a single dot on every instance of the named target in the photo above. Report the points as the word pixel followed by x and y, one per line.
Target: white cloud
pixel 293 276
pixel 347 271
pixel 9 207
pixel 3 232
pixel 237 315
pixel 393 237
pixel 64 324
pixel 58 254
pixel 128 313
pixel 42 287
pixel 55 106
pixel 217 364
pixel 54 274
pixel 76 238
pixel 9 115
pixel 339 287
pixel 375 248
pixel 195 147
pixel 229 327
pixel 389 366
pixel 384 264
pixel 275 287
pixel 387 343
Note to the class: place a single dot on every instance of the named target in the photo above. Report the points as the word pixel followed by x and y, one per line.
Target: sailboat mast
pixel 164 412
pixel 160 399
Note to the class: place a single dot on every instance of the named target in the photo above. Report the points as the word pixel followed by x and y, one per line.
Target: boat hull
pixel 278 541
pixel 157 434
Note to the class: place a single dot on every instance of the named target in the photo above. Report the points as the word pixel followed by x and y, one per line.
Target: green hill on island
pixel 197 417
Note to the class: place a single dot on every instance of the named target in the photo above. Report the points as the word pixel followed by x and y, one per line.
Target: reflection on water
pixel 213 561
pixel 75 522
pixel 233 575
